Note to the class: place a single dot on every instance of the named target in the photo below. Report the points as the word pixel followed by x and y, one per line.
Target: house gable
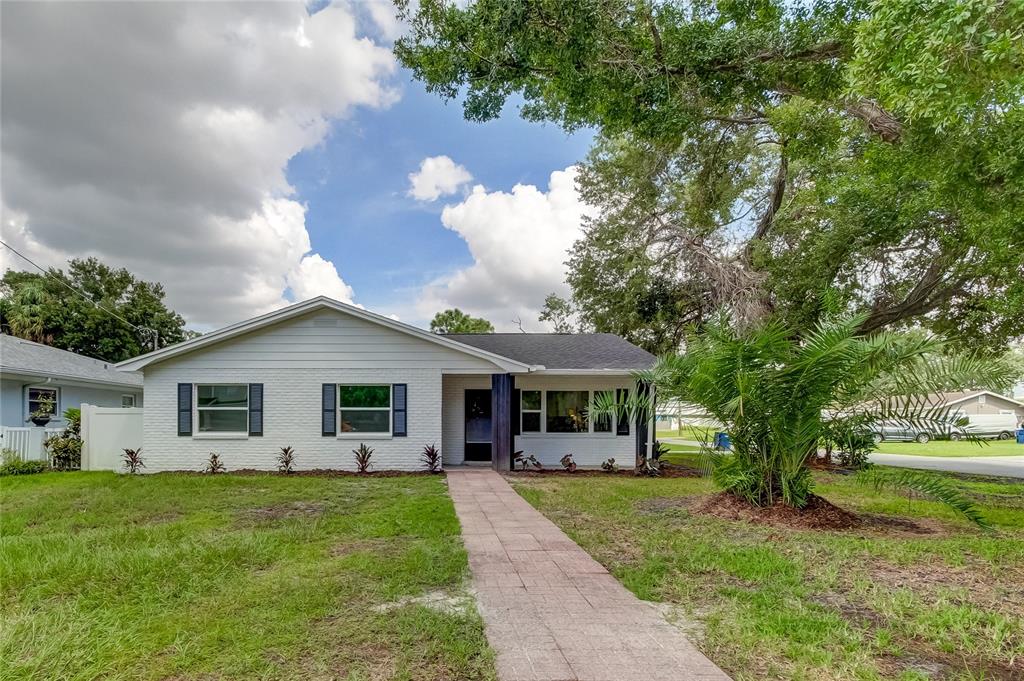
pixel 327 339
pixel 323 333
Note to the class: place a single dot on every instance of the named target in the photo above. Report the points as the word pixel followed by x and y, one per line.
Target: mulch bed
pixel 315 473
pixel 819 514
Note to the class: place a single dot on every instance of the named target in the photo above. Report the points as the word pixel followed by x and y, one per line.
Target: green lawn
pixel 230 577
pixel 775 603
pixel 690 433
pixel 954 449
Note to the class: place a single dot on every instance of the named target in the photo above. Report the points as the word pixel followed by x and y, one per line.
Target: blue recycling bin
pixel 722 441
pixel 1020 436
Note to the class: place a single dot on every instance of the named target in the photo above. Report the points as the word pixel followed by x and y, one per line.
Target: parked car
pixel 904 432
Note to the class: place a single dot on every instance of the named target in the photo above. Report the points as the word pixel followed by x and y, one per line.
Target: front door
pixel 478 425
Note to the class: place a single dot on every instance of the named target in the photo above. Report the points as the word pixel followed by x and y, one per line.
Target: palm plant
pixel 779 394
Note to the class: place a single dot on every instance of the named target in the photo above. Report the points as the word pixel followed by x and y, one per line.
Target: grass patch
pixel 941 601
pixel 185 576
pixel 948 448
pixel 696 433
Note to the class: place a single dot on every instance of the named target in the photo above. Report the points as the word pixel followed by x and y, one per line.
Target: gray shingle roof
pixel 19 356
pixel 562 350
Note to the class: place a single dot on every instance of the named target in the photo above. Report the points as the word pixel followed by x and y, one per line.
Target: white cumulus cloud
pixel 438 176
pixel 519 243
pixel 156 136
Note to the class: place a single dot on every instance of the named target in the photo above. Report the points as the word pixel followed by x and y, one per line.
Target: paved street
pixel 1007 466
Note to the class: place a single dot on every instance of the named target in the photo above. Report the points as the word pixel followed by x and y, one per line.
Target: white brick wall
pixel 291 417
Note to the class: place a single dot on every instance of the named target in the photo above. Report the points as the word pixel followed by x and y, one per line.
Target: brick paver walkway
pixel 551 611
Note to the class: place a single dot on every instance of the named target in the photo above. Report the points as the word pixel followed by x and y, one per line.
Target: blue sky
pixel 250 155
pixel 386 244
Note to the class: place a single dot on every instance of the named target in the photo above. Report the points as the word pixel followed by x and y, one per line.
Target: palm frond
pixel 934 486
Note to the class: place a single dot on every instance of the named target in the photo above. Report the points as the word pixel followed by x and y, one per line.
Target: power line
pixel 152 332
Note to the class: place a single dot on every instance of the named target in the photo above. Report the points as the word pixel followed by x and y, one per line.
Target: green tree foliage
pixel 41 308
pixel 774 158
pixel 457 321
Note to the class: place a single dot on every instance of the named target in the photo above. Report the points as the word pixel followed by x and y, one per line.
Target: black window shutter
pixel 330 414
pixel 622 427
pixel 399 410
pixel 184 409
pixel 256 409
pixel 516 405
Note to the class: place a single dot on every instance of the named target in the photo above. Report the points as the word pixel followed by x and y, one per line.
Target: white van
pixel 997 426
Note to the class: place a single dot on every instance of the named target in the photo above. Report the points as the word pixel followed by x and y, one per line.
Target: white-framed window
pixel 981 399
pixel 567 411
pixel 364 408
pixel 530 414
pixel 222 408
pixel 127 401
pixel 37 397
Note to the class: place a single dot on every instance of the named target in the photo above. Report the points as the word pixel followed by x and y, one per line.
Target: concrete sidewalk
pixel 552 612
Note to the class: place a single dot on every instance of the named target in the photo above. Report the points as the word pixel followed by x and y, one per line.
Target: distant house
pixel 980 403
pixel 322 377
pixel 32 373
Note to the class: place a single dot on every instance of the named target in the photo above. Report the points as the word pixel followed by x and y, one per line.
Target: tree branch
pixel 775 196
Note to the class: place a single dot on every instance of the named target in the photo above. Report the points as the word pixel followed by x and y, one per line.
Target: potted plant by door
pixel 43 414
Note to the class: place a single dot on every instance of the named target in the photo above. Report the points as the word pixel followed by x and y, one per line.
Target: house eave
pixel 28 376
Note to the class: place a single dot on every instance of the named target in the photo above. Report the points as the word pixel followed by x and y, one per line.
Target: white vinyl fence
pixel 106 433
pixel 27 443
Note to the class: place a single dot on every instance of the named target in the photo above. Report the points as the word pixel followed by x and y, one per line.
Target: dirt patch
pixel 295 509
pixel 669 471
pixel 441 601
pixel 970 585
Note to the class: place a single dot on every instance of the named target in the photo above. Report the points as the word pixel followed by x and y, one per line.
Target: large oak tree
pixel 768 156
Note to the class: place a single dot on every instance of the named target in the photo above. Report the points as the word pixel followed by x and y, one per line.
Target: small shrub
pixel 133 460
pixel 525 460
pixel 431 458
pixel 568 464
pixel 651 467
pixel 286 460
pixel 66 448
pixel 609 466
pixel 363 455
pixel 214 465
pixel 13 464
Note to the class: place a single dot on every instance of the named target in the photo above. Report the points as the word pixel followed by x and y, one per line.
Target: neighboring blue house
pixel 31 373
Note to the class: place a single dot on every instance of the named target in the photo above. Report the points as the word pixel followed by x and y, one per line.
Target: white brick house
pixel 322 377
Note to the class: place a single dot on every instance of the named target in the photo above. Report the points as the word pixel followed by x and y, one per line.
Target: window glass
pixel 567 411
pixel 531 422
pixel 530 411
pixel 603 422
pixel 365 396
pixel 369 421
pixel 38 397
pixel 127 401
pixel 531 400
pixel 223 420
pixel 222 395
pixel 364 408
pixel 222 408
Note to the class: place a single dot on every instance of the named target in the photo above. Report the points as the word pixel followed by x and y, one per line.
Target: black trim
pixel 399 410
pixel 516 409
pixel 256 409
pixel 622 427
pixel 329 416
pixel 184 409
